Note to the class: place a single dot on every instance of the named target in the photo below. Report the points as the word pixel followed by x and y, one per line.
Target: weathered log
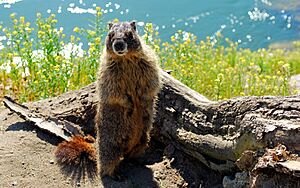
pixel 61 129
pixel 215 133
pixel 218 133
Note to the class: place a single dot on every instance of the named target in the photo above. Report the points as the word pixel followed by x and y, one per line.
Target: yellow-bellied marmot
pixel 128 83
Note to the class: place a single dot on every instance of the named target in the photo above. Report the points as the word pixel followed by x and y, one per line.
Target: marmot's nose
pixel 119 46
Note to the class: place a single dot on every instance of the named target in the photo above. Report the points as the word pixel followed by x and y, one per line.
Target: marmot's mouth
pixel 120 53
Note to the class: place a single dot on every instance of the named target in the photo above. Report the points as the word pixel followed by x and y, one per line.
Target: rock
pixel 15 183
pixel 3 118
pixel 241 180
pixel 247 161
pixel 278 167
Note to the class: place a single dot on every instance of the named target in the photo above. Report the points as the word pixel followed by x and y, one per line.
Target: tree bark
pixel 215 133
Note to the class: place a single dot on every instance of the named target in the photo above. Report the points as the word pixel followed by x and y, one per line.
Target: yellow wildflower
pixel 99 13
pixel 12 15
pixel 72 38
pixel 28 29
pixel 47 26
pixel 41 33
pixel 97 40
pixel 14 33
pixel 54 21
pixel 76 29
pixel 98 8
pixel 92 33
pixel 22 19
pixel 173 38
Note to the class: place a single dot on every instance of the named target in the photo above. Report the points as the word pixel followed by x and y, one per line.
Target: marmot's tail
pixel 77 151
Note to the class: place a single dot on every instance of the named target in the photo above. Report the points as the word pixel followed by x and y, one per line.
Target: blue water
pixel 252 23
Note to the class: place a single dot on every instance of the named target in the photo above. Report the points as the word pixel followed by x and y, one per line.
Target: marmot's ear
pixel 133 25
pixel 110 25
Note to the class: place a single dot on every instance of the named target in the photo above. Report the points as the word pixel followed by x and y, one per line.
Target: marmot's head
pixel 122 38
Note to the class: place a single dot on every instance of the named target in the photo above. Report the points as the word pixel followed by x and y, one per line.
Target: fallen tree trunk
pixel 215 133
pixel 218 133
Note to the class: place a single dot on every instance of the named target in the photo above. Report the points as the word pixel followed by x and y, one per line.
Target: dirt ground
pixel 27 160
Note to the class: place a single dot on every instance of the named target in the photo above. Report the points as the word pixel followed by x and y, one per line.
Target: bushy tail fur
pixel 77 157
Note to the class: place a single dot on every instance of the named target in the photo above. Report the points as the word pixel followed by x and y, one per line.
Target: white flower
pixel 38 54
pixel 1 46
pixel 72 50
pixel 18 61
pixel 5 66
pixel 2 38
pixel 185 35
pixel 26 72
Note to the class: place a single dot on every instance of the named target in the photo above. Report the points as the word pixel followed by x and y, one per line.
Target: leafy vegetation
pixel 41 61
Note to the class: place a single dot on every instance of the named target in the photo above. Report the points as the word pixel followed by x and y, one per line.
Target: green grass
pixel 220 72
pixel 47 72
pixel 216 71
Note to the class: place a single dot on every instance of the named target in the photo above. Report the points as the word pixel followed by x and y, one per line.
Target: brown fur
pixel 77 149
pixel 127 86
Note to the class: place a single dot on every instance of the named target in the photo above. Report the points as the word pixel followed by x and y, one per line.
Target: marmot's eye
pixel 129 35
pixel 111 35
